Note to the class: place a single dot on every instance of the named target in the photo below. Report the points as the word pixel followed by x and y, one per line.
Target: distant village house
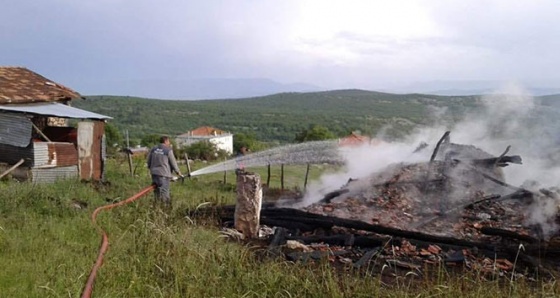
pixel 356 139
pixel 35 134
pixel 223 140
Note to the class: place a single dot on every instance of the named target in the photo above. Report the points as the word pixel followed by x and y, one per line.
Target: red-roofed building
pixel 353 139
pixel 222 139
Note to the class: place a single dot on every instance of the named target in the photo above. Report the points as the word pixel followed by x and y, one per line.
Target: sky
pixel 92 45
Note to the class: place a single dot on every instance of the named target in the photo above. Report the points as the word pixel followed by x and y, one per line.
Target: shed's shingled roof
pixel 21 85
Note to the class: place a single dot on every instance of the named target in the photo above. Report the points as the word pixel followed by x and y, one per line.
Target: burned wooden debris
pixel 455 210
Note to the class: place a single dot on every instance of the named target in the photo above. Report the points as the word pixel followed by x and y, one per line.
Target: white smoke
pixel 510 117
pixel 362 161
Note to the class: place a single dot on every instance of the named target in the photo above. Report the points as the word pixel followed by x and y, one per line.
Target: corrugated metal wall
pixel 103 154
pixel 15 130
pixel 85 144
pixel 90 146
pixel 63 154
pixel 50 175
pixel 12 154
pixel 40 154
pixel 98 133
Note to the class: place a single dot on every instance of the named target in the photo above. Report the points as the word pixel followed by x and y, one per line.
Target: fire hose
pixel 88 289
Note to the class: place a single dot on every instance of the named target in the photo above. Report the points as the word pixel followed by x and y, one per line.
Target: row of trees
pixel 207 150
pixel 276 119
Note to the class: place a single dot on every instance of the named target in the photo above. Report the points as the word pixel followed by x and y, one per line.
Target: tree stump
pixel 248 206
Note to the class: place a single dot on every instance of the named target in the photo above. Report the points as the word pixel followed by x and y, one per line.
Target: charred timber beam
pixel 519 194
pixel 341 240
pixel 497 181
pixel 287 223
pixel 297 219
pixel 437 181
pixel 327 222
pixel 507 234
pixel 497 161
pixel 491 253
pixel 279 238
pixel 314 255
pixel 469 205
pixel 290 218
pixel 331 195
pixel 535 263
pixel 366 257
pixel 548 193
pixel 222 210
pixel 444 138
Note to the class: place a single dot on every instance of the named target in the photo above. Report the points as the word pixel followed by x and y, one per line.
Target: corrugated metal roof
pixel 53 109
pixel 21 85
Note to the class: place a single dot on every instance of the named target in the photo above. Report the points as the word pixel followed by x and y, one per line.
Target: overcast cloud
pixel 377 45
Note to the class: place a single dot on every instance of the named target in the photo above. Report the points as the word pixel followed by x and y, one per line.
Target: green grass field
pixel 48 247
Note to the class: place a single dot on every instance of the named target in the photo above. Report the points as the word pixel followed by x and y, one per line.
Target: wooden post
pixel 248 205
pixel 268 177
pixel 225 173
pixel 129 154
pixel 41 133
pixel 12 168
pixel 188 165
pixel 282 177
pixel 306 176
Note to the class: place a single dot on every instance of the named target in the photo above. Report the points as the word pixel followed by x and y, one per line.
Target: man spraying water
pixel 162 162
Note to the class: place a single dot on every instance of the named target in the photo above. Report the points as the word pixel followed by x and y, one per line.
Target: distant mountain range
pixel 220 88
pixel 200 89
pixel 473 87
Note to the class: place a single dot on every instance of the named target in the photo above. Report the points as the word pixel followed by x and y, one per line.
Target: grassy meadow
pixel 48 246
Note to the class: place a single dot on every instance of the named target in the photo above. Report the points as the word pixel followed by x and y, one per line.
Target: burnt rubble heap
pixel 453 210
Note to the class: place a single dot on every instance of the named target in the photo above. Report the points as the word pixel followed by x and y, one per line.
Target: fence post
pixel 129 154
pixel 282 177
pixel 306 176
pixel 188 165
pixel 268 177
pixel 225 173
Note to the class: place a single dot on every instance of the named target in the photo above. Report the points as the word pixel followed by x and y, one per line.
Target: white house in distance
pixel 223 140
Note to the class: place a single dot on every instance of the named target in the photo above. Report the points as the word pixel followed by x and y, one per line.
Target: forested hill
pixel 279 117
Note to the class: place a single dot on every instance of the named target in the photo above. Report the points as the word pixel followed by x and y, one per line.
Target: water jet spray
pixel 304 153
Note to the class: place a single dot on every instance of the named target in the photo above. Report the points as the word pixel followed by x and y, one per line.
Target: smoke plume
pixel 508 117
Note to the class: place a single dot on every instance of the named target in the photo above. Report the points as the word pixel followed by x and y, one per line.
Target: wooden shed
pixel 42 134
